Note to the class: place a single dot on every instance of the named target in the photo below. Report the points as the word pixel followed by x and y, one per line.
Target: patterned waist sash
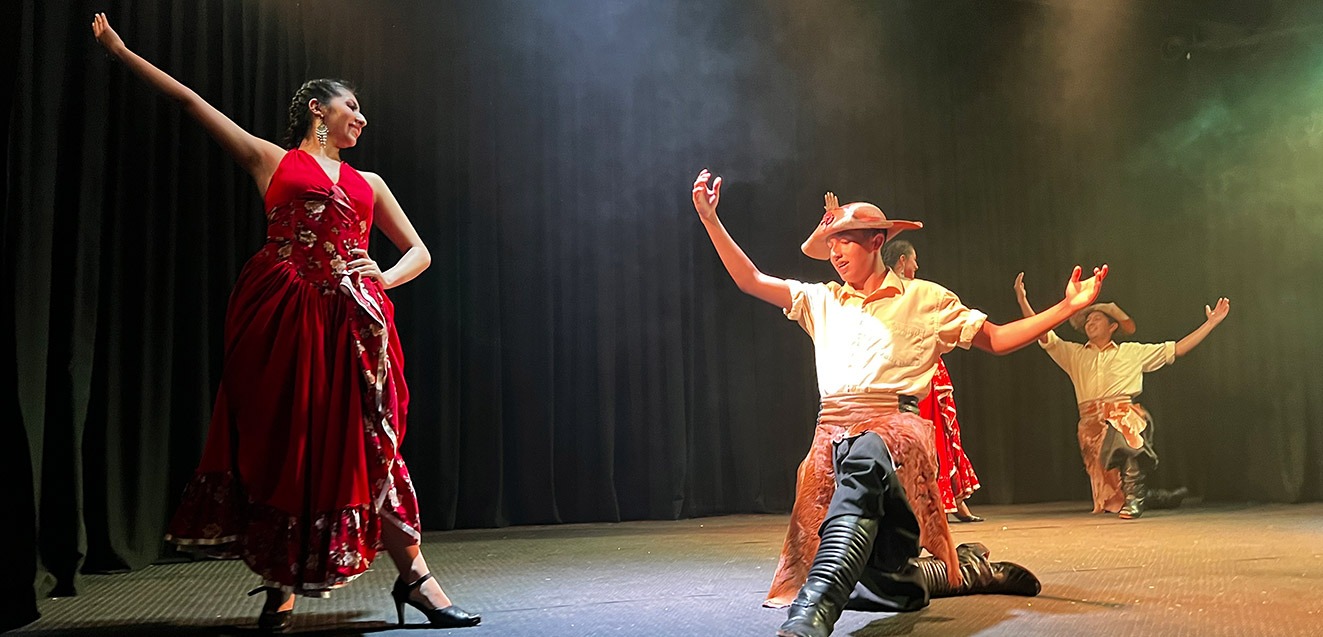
pixel 854 414
pixel 1124 415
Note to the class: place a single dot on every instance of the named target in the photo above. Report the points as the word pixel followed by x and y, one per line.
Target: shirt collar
pixel 1109 345
pixel 892 285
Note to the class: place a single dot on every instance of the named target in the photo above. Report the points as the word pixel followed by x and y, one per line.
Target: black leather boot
pixel 1164 499
pixel 847 541
pixel 981 576
pixel 1132 486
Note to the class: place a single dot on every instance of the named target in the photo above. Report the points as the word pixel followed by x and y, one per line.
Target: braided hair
pixel 300 118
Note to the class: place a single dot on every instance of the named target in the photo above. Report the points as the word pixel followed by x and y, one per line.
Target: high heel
pixel 963 514
pixel 451 616
pixel 272 621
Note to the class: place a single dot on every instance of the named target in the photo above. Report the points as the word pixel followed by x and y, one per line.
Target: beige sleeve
pixel 1062 352
pixel 1151 356
pixel 807 304
pixel 956 324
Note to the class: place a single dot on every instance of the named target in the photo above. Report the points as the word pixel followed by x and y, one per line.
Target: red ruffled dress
pixel 301 465
pixel 955 474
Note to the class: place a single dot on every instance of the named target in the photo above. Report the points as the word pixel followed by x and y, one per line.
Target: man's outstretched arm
pixel 1023 299
pixel 1004 339
pixel 746 275
pixel 1214 318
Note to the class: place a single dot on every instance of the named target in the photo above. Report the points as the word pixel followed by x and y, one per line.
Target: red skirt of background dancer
pixel 955 474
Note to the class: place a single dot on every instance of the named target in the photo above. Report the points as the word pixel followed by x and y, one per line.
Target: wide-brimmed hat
pixel 859 215
pixel 1127 324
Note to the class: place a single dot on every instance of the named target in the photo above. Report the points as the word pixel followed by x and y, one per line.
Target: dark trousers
pixel 1116 452
pixel 867 486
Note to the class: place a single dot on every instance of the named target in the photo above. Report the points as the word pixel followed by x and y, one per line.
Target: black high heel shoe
pixel 451 616
pixel 272 621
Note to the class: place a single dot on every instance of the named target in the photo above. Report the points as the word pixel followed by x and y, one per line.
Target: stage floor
pixel 1210 570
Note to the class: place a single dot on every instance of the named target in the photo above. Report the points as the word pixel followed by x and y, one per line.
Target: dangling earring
pixel 322 131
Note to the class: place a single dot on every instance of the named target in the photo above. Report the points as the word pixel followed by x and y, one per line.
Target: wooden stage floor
pixel 1203 570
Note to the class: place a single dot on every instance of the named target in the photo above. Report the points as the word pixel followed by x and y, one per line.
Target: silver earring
pixel 322 131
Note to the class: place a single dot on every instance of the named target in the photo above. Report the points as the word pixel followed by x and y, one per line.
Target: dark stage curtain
pixel 576 352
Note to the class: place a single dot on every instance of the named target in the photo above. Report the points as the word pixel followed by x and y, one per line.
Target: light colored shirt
pixel 1111 372
pixel 887 342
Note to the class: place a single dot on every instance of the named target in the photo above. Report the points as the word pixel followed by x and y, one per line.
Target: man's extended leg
pixel 1136 466
pixel 980 576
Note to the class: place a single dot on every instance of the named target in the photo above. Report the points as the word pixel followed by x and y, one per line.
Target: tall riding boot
pixel 847 541
pixel 981 576
pixel 1164 499
pixel 1132 486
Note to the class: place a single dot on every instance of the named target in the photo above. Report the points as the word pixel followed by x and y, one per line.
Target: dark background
pixel 576 351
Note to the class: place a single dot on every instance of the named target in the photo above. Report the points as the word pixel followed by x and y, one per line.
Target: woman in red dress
pixel 956 478
pixel 955 474
pixel 301 475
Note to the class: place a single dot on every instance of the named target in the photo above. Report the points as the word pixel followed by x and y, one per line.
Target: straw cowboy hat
pixel 859 215
pixel 1127 324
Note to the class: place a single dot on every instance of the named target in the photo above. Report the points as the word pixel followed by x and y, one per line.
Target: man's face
pixel 1099 326
pixel 854 254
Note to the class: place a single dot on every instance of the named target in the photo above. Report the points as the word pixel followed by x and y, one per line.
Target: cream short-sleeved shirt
pixel 1110 372
pixel 887 342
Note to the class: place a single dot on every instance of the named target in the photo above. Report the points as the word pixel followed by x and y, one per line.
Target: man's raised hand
pixel 705 198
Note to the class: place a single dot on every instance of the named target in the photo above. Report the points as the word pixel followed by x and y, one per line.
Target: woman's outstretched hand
pixel 1080 294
